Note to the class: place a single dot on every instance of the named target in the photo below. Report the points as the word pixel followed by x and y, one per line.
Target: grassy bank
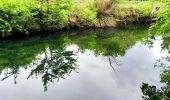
pixel 31 16
pixel 128 12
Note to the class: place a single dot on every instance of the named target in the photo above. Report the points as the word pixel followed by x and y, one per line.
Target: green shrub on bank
pixel 16 15
pixel 162 25
pixel 24 16
pixel 86 11
pixel 55 14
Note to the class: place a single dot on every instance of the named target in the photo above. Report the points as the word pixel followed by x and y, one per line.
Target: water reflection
pixel 152 92
pixel 47 58
pixel 55 64
pixel 96 55
pixel 109 42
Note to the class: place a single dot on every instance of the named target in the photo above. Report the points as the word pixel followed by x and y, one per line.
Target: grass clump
pixel 132 11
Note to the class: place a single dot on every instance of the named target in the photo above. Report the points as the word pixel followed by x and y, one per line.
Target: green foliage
pixel 86 11
pixel 5 28
pixel 16 15
pixel 133 10
pixel 24 16
pixel 162 21
pixel 55 14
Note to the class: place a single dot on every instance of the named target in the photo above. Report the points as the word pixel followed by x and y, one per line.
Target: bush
pixel 21 16
pixel 57 15
pixel 15 15
pixel 162 25
pixel 86 11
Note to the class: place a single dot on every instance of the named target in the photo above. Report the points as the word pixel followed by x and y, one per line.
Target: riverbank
pixel 25 17
pixel 121 13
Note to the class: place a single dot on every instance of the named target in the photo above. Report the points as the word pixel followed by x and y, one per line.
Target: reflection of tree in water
pixel 110 43
pixel 152 92
pixel 10 72
pixel 113 61
pixel 55 61
pixel 55 65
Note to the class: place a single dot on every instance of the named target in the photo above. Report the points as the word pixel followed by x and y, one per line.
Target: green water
pixel 103 64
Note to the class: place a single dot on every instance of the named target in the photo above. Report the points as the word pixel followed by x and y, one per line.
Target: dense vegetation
pixel 163 20
pixel 33 16
pixel 24 16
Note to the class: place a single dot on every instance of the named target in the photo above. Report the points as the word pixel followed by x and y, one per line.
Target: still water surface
pixel 108 64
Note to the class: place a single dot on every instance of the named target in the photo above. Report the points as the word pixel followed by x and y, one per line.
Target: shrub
pixel 162 21
pixel 15 15
pixel 86 11
pixel 25 16
pixel 57 15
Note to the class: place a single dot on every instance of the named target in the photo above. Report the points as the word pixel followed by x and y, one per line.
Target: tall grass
pixel 103 5
pixel 134 10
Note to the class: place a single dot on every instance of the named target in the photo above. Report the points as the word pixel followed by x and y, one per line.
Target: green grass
pixel 134 10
